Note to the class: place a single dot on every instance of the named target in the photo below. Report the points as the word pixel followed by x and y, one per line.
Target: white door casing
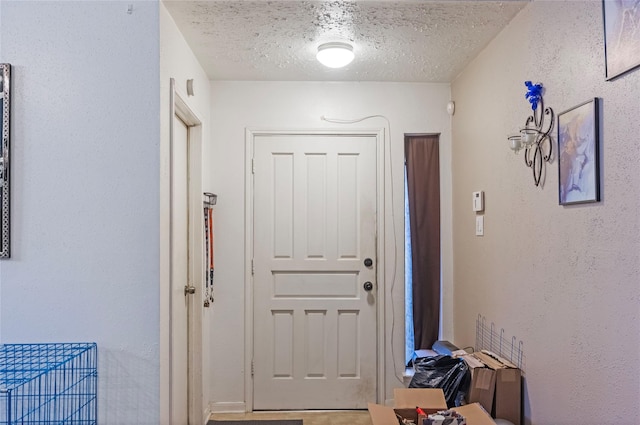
pixel 185 256
pixel 179 272
pixel 315 201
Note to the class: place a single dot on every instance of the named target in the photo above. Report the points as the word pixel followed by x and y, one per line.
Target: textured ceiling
pixel 420 41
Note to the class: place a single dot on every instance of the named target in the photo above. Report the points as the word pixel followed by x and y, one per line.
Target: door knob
pixel 368 262
pixel 189 290
pixel 368 286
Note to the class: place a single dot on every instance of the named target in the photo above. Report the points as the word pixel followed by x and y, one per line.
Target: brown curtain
pixel 423 187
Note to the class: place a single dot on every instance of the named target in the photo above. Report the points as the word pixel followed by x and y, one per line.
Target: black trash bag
pixel 446 372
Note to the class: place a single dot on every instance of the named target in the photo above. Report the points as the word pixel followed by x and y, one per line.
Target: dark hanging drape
pixel 423 187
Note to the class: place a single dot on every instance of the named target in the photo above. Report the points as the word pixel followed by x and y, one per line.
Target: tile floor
pixel 309 417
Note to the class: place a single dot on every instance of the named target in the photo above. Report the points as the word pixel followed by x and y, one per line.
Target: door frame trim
pixel 380 140
pixel 180 107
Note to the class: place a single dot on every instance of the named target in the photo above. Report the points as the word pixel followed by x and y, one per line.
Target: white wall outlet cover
pixel 478 201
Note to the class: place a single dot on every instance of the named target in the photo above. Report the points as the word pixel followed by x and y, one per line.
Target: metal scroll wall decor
pixel 534 136
pixel 5 108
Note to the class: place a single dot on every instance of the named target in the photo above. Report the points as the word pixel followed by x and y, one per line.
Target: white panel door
pixel 314 226
pixel 179 273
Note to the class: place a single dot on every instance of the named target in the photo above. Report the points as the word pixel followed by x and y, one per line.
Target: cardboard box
pixel 475 414
pixel 406 400
pixel 509 395
pixel 488 360
pixel 430 400
pixel 498 388
pixel 483 386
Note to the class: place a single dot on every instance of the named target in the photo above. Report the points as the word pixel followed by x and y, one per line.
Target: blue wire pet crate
pixel 48 384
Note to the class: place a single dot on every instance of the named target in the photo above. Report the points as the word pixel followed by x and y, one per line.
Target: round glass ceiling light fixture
pixel 335 55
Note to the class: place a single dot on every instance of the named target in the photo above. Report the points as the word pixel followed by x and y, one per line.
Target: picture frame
pixel 578 154
pixel 621 37
pixel 5 111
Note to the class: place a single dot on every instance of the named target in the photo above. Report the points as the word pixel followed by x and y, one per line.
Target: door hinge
pixel 253 166
pixel 253 268
pixel 252 369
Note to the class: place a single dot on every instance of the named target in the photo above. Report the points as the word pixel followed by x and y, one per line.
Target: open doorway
pixel 422 241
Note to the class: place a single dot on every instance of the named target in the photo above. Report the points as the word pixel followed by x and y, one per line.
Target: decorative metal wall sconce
pixel 5 107
pixel 534 137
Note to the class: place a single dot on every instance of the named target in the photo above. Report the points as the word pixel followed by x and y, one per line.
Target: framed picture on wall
pixel 621 36
pixel 578 154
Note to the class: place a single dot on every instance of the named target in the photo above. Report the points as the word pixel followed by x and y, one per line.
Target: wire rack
pixel 48 384
pixel 488 338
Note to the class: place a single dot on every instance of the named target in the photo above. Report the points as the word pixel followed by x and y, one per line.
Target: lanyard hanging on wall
pixel 211 251
pixel 210 200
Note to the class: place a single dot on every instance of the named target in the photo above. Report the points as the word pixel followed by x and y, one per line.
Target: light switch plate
pixel 480 225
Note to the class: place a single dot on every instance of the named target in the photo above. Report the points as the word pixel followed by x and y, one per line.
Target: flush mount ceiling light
pixel 335 55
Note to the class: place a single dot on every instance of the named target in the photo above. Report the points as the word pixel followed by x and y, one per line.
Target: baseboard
pixel 232 407
pixel 206 415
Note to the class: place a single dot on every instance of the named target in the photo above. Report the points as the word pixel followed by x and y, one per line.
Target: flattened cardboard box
pixel 500 384
pixel 483 386
pixel 509 395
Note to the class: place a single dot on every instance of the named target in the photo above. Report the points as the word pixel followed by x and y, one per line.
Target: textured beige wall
pixel 564 280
